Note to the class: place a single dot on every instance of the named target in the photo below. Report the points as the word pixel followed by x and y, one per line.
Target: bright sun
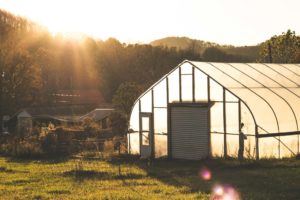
pixel 75 16
pixel 233 22
pixel 100 19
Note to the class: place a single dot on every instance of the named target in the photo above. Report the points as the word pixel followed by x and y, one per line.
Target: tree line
pixel 34 64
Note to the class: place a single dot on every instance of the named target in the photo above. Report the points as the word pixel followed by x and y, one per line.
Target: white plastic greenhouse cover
pixel 270 93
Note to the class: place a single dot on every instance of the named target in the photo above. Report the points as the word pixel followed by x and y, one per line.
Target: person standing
pixel 242 137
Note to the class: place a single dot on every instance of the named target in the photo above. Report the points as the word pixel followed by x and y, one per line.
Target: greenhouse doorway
pixel 189 125
pixel 146 135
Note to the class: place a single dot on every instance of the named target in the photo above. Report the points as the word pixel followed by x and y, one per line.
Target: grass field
pixel 124 178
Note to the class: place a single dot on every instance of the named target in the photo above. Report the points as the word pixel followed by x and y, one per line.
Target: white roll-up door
pixel 189 132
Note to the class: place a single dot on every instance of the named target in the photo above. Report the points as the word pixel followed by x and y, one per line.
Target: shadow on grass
pixel 21 182
pixel 178 173
pixel 253 179
pixel 80 175
pixel 55 192
pixel 6 170
pixel 47 159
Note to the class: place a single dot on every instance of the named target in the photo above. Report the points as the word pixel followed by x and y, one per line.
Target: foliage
pixel 58 141
pixel 49 143
pixel 143 64
pixel 215 54
pixel 90 126
pixel 284 48
pixel 34 65
pixel 21 81
pixel 29 147
pixel 53 63
pixel 125 96
pixel 229 53
pixel 119 123
pixel 108 146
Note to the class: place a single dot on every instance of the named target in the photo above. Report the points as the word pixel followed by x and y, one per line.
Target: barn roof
pixel 62 113
pixel 98 114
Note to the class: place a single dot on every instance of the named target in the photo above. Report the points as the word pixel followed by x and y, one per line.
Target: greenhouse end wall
pixel 238 105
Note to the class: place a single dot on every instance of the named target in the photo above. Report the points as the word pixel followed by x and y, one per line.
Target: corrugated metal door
pixel 189 132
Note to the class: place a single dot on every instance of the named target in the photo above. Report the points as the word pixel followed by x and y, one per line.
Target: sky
pixel 235 22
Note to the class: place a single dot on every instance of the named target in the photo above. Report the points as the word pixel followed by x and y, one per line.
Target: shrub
pixel 119 123
pixel 49 143
pixel 6 149
pixel 63 137
pixel 28 148
pixel 58 141
pixel 90 127
pixel 108 146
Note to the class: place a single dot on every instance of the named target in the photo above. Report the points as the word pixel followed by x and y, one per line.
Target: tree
pixel 125 97
pixel 283 48
pixel 216 54
pixel 21 81
pixel 297 56
pixel 119 123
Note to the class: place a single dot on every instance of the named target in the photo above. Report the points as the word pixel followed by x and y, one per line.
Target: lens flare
pixel 218 190
pixel 205 174
pixel 226 192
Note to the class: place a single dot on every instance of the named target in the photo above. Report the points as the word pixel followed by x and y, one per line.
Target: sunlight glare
pixel 224 192
pixel 205 174
pixel 99 19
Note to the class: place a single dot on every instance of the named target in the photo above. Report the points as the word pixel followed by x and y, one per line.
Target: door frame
pixel 151 132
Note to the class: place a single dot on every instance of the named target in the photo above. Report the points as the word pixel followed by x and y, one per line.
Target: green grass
pixel 96 179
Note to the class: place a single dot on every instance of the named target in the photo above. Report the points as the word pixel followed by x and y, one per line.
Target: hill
pixel 241 53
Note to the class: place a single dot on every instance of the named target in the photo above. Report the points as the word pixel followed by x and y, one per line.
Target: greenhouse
pixel 203 109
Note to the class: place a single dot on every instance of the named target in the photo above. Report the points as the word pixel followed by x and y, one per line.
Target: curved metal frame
pixel 292 71
pixel 227 90
pixel 269 89
pixel 282 74
pixel 249 90
pixel 297 65
pixel 282 87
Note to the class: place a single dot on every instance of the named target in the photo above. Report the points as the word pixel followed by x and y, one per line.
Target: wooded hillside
pixel 34 64
pixel 211 51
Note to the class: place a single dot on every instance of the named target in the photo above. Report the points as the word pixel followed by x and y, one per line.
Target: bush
pixel 119 123
pixel 90 127
pixel 58 141
pixel 49 143
pixel 6 149
pixel 27 147
pixel 108 146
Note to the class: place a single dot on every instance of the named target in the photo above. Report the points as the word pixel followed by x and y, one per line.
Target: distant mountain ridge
pixel 183 43
pixel 247 53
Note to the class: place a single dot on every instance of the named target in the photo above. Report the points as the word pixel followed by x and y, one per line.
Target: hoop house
pixel 202 109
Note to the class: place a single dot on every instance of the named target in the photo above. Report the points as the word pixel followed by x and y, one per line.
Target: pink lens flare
pixel 205 174
pixel 226 192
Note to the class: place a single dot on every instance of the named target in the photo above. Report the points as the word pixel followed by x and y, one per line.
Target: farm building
pixel 202 109
pixel 24 120
pixel 99 115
